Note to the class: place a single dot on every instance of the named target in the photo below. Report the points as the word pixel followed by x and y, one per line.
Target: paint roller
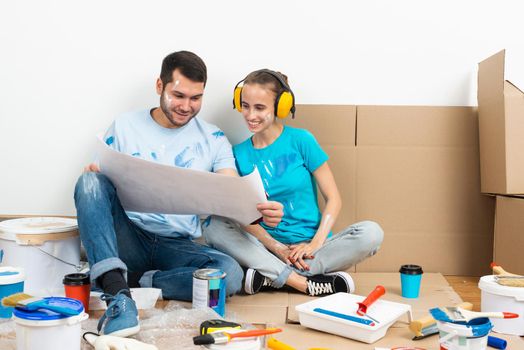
pixel 427 325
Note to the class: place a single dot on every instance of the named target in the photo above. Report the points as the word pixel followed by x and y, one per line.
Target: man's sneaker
pixel 254 282
pixel 121 316
pixel 330 283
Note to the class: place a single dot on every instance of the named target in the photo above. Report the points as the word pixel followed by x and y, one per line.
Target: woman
pixel 301 251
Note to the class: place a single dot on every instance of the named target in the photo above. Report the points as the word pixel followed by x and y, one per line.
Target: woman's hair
pixel 262 77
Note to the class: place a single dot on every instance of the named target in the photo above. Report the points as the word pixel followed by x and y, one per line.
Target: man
pixel 150 249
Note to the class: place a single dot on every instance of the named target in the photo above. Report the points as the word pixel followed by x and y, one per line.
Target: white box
pixel 386 312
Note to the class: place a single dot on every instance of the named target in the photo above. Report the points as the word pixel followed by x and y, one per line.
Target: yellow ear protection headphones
pixel 284 103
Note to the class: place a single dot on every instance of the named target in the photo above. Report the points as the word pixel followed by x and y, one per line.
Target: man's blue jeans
pixel 113 241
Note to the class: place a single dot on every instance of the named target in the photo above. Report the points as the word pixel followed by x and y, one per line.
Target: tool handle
pixel 496 314
pixel 370 299
pixel 58 309
pixel 498 270
pixel 254 333
pixel 274 344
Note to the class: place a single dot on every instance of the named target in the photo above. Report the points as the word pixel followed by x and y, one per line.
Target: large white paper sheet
pixel 150 187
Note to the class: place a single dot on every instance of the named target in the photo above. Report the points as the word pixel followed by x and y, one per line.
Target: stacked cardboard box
pixel 415 171
pixel 501 131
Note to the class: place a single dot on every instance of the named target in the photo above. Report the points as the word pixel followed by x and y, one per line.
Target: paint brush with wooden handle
pixel 426 326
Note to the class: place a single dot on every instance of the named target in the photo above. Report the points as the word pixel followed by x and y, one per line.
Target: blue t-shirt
pixel 197 145
pixel 286 167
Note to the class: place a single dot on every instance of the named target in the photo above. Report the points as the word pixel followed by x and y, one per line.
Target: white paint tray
pixel 344 304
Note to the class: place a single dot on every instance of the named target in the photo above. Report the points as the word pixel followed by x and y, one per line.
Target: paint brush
pixel 30 303
pixel 225 337
pixel 426 326
pixel 458 314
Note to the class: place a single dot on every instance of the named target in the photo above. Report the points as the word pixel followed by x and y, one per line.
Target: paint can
pixel 46 247
pixel 11 282
pixel 472 335
pixel 48 330
pixel 209 290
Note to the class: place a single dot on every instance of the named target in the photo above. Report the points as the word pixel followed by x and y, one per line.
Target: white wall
pixel 68 67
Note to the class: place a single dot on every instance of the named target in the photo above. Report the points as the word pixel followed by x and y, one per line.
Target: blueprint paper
pixel 150 187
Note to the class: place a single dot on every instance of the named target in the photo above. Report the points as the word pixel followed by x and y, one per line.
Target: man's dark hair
pixel 189 64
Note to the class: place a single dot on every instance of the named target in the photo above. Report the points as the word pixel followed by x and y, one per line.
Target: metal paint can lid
pixel 209 274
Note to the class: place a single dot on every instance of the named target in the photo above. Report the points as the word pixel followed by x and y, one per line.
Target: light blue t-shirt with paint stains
pixel 286 167
pixel 198 145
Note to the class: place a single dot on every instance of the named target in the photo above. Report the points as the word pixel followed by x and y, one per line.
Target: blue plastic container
pixel 11 282
pixel 410 279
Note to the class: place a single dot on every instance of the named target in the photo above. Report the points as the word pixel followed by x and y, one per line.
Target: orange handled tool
pixel 370 299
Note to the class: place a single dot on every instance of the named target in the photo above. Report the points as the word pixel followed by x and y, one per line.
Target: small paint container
pixel 209 290
pixel 410 278
pixel 472 335
pixel 48 330
pixel 11 282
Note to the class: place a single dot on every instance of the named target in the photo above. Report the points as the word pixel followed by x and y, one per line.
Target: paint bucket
pixel 209 290
pixel 48 330
pixel 472 335
pixel 495 297
pixel 46 247
pixel 11 282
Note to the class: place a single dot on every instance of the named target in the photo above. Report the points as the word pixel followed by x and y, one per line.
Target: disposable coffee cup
pixel 410 277
pixel 78 286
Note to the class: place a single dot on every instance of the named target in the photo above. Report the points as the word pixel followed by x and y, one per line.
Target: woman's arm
pixel 328 188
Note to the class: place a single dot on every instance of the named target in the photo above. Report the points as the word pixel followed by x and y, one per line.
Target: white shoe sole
pixel 248 283
pixel 349 281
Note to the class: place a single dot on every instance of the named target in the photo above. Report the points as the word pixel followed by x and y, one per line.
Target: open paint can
pixel 209 290
pixel 472 335
pixel 48 330
pixel 48 248
pixel 11 282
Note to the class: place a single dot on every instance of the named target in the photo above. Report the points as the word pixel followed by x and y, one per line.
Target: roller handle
pixel 370 299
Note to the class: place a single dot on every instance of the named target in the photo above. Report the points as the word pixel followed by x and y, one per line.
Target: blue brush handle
pixel 345 317
pixel 42 304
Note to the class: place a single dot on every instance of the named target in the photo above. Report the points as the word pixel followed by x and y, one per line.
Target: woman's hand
pixel 302 251
pixel 283 252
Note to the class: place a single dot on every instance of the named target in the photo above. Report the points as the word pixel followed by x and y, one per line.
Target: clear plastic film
pixel 7 334
pixel 172 327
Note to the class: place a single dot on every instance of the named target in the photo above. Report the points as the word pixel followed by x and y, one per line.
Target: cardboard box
pixel 415 171
pixel 417 175
pixel 509 234
pixel 501 129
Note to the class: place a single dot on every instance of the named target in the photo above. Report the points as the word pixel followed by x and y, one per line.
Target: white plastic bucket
pixel 461 336
pixel 46 247
pixel 47 330
pixel 495 297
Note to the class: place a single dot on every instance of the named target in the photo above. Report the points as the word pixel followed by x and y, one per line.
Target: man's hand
pixel 272 212
pixel 92 167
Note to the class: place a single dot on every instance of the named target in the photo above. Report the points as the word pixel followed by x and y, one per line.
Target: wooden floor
pixel 467 288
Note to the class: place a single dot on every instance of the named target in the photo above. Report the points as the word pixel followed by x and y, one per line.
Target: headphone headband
pixel 284 102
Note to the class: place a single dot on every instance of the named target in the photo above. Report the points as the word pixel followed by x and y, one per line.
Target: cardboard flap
pixel 511 89
pixel 491 79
